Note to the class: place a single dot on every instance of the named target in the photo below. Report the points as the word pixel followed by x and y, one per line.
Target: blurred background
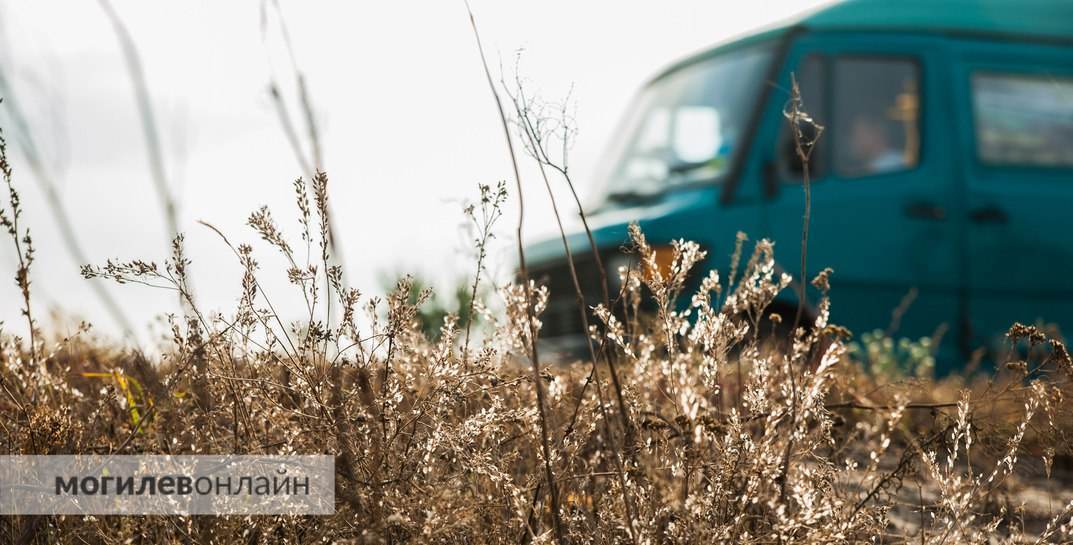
pixel 406 126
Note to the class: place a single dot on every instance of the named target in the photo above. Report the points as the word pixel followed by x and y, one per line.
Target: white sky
pixel 407 123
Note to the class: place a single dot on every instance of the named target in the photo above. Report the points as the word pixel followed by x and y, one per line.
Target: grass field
pixel 683 427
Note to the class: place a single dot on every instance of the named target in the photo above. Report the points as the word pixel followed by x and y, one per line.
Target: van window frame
pixel 830 60
pixel 779 59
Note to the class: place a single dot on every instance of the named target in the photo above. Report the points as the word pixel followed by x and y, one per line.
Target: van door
pixel 882 189
pixel 1015 104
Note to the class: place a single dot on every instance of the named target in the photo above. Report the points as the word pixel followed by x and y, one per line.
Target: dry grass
pixel 440 441
pixel 683 426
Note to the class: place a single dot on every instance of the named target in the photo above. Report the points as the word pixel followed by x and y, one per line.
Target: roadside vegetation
pixel 688 422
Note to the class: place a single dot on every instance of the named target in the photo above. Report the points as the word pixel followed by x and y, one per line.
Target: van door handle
pixel 924 210
pixel 988 214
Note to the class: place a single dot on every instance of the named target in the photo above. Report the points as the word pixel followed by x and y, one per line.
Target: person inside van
pixel 871 146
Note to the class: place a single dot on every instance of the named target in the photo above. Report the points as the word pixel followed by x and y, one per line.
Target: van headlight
pixel 618 263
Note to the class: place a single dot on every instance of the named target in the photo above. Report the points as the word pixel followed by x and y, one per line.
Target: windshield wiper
pixel 630 197
pixel 718 163
pixel 682 168
pixel 677 172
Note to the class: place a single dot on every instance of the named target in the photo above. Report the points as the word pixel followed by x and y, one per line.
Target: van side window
pixel 811 77
pixel 876 122
pixel 1022 120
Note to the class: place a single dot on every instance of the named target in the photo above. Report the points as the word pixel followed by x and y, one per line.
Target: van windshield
pixel 685 127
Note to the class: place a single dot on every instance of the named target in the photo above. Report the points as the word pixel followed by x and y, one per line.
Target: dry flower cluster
pixel 687 425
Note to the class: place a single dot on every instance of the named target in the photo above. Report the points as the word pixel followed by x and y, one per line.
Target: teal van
pixel 942 184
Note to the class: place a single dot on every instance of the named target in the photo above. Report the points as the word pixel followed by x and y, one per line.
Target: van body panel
pixel 1019 229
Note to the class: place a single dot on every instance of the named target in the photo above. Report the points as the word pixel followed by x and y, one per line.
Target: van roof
pixel 1039 20
pixel 1031 19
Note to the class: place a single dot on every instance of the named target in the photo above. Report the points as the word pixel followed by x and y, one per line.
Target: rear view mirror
pixel 790 160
